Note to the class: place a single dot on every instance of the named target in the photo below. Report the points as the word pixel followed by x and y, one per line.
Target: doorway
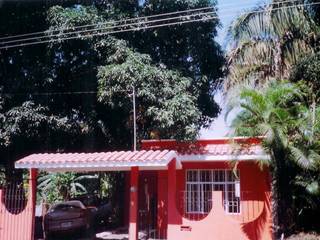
pixel 148 203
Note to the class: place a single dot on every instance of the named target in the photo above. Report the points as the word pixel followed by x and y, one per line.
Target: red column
pixel 174 217
pixel 133 212
pixel 162 205
pixel 33 191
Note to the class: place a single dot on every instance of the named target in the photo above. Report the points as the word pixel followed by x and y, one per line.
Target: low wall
pixel 254 223
pixel 17 211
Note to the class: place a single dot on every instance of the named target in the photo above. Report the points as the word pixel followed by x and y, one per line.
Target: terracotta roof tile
pixel 117 159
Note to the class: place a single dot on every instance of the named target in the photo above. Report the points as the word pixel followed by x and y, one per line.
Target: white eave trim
pixel 222 158
pixel 93 166
pixel 103 166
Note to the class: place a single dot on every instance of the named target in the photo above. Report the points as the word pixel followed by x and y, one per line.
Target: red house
pixel 208 189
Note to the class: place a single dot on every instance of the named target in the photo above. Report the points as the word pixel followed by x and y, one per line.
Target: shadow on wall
pixel 15 198
pixel 261 227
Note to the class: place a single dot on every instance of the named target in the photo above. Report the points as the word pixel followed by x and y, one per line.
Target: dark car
pixel 66 217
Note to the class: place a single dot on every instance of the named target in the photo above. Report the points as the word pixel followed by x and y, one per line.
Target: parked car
pixel 67 217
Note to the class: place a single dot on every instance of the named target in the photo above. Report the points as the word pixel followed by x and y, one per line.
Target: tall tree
pixel 268 40
pixel 79 78
pixel 280 113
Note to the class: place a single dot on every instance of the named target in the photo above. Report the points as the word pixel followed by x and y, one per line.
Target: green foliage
pixel 2 177
pixel 308 69
pixel 165 103
pixel 111 184
pixel 174 69
pixel 29 121
pixel 55 187
pixel 280 113
pixel 60 17
pixel 267 42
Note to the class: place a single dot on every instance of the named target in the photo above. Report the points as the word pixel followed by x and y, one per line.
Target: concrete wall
pixel 254 221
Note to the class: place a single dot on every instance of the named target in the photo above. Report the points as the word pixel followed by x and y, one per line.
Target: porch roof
pixel 100 161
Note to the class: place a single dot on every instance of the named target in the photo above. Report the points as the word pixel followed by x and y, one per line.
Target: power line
pixel 107 33
pixel 119 21
pixel 45 33
pixel 149 27
pixel 57 93
pixel 109 22
pixel 106 28
pixel 48 93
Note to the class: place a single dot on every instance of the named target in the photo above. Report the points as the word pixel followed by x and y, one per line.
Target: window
pixel 201 183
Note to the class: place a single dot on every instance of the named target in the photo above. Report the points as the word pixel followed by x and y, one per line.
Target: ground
pixel 106 235
pixel 304 236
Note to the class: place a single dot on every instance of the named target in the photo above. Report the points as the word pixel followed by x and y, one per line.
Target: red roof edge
pixel 171 144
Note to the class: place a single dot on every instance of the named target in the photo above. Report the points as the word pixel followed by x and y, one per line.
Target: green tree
pixel 279 113
pixel 166 104
pixel 268 40
pixel 186 57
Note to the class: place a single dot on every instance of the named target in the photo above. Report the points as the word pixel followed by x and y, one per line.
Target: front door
pixel 147 202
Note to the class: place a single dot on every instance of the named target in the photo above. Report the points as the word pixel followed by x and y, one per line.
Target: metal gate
pixel 17 211
pixel 148 214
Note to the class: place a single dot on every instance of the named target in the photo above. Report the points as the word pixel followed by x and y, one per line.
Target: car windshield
pixel 67 206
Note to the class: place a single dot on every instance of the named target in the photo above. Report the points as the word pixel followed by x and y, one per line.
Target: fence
pixel 17 211
pixel 148 229
pixel 196 205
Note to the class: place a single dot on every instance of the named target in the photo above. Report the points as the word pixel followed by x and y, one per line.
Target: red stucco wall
pixel 254 221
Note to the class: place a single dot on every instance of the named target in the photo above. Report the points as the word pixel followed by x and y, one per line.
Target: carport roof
pixel 100 161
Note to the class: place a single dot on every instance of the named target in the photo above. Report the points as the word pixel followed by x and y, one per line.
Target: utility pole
pixel 134 119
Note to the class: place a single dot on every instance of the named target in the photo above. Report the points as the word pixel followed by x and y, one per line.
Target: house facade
pixel 207 189
pixel 219 192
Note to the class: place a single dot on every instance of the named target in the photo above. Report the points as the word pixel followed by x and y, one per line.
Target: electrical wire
pixel 106 33
pixel 123 20
pixel 146 27
pixel 46 33
pixel 48 93
pixel 9 94
pixel 106 28
pixel 109 22
pixel 139 28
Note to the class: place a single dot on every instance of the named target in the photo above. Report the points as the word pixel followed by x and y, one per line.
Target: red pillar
pixel 162 205
pixel 133 212
pixel 33 191
pixel 173 215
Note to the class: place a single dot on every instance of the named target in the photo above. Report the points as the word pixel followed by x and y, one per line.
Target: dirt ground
pixel 304 236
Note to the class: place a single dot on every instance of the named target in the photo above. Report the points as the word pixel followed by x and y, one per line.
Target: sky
pixel 227 11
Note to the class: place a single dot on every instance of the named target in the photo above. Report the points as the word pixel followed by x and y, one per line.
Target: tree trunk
pixel 278 63
pixel 281 194
pixel 274 206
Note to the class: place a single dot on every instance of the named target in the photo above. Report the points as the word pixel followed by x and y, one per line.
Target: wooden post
pixel 133 214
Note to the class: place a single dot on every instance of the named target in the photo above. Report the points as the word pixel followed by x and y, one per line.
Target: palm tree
pixel 278 113
pixel 267 41
pixel 62 186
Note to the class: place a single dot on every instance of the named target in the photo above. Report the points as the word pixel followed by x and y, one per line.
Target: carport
pixel 132 161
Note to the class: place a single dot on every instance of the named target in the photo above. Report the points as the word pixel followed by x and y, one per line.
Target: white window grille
pixel 201 183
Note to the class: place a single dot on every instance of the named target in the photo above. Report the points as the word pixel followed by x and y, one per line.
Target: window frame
pixel 225 183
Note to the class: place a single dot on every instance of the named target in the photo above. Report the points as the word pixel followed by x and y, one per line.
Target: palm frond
pixel 300 157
